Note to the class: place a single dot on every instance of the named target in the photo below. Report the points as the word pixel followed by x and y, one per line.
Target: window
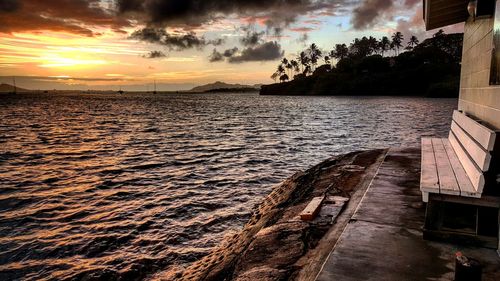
pixel 485 8
pixel 495 58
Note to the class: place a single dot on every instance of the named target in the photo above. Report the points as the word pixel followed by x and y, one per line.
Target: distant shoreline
pixel 90 92
pixel 228 90
pixel 257 92
pixel 363 85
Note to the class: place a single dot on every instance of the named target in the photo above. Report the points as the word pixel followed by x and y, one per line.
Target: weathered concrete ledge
pixel 376 235
pixel 275 244
pixel 384 240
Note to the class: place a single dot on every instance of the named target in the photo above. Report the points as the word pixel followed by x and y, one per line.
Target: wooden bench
pixel 453 172
pixel 456 165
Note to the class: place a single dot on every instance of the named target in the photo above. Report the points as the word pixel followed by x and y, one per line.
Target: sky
pixel 129 44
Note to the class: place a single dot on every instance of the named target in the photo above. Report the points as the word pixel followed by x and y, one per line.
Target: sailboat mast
pixel 155 87
pixel 15 88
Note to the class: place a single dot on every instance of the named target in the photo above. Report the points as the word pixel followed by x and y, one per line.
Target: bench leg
pixel 433 215
pixel 498 237
pixel 425 196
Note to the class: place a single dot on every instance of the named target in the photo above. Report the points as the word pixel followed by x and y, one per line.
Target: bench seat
pixel 456 165
pixel 442 172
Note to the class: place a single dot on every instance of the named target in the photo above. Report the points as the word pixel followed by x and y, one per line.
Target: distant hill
pixel 224 87
pixel 7 88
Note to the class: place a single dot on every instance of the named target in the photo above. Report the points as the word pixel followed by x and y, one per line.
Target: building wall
pixel 477 97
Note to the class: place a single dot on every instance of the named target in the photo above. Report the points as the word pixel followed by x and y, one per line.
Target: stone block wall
pixel 477 97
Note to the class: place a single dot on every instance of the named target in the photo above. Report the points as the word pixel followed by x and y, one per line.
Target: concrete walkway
pixel 383 240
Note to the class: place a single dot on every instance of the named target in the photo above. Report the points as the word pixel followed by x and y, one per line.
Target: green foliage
pixel 375 63
pixel 445 89
pixel 322 70
pixel 346 65
pixel 429 68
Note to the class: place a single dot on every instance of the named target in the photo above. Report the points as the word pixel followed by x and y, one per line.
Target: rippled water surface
pixel 108 186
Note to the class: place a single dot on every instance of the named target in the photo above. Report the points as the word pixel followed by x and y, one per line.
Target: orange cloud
pixel 72 16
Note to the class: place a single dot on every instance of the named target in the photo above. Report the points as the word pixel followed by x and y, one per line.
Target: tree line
pixel 307 61
pixel 370 66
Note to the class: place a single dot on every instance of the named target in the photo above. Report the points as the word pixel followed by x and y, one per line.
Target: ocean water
pixel 123 187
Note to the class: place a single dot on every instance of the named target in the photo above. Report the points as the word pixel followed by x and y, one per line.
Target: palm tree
pixel 284 77
pixel 327 60
pixel 438 39
pixel 274 76
pixel 397 40
pixel 307 70
pixel 341 51
pixel 439 33
pixel 331 55
pixel 290 68
pixel 303 60
pixel 314 54
pixel 363 47
pixel 385 44
pixel 392 47
pixel 284 61
pixel 280 70
pixel 295 66
pixel 412 43
pixel 373 45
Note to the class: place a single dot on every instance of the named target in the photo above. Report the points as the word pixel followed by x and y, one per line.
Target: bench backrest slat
pixel 481 157
pixel 466 188
pixel 481 134
pixel 473 172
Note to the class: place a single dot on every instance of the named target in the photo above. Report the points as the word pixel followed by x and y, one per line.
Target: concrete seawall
pixel 275 244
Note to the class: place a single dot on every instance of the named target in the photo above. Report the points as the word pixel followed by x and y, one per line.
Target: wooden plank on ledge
pixel 312 209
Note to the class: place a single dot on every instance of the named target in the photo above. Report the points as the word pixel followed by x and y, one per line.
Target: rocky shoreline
pixel 275 244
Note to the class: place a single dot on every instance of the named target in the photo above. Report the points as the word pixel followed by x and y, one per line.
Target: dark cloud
pixel 129 5
pixel 151 35
pixel 230 52
pixel 9 6
pixel 216 56
pixel 84 16
pixel 267 51
pixel 154 55
pixel 74 16
pixel 216 42
pixel 177 42
pixel 193 13
pixel 263 52
pixel 252 38
pixel 368 12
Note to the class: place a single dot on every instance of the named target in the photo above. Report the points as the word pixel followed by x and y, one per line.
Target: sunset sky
pixel 105 44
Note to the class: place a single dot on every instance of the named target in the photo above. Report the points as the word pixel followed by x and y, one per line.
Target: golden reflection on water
pixel 109 186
